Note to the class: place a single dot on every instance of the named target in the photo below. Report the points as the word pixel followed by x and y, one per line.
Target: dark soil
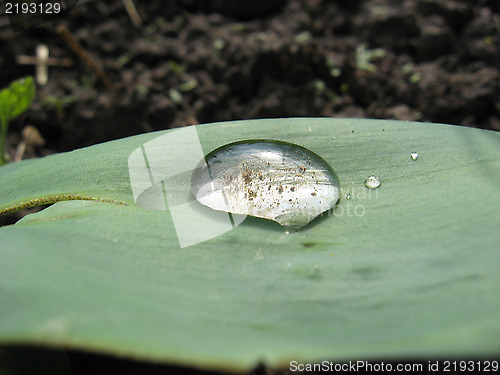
pixel 203 61
pixel 199 61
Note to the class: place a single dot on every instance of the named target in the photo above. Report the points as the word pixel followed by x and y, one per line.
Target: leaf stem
pixel 3 140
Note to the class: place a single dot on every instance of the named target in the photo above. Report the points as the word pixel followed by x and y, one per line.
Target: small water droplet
pixel 414 155
pixel 348 196
pixel 372 182
pixel 274 180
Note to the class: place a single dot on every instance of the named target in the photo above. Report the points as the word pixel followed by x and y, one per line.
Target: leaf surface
pixel 408 270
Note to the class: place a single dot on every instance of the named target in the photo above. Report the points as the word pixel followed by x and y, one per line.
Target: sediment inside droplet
pixel 269 179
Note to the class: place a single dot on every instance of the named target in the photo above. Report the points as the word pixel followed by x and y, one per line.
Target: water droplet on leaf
pixel 372 182
pixel 274 180
pixel 414 155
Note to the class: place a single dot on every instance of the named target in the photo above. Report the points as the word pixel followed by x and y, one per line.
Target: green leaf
pixel 408 270
pixel 14 100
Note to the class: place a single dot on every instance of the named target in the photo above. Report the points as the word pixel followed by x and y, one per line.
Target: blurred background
pixel 123 67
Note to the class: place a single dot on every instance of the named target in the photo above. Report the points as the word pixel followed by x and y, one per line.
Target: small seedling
pixel 14 100
pixel 365 57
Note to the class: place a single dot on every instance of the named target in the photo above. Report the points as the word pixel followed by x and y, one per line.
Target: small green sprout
pixel 303 37
pixel 178 69
pixel 365 57
pixel 188 85
pixel 175 95
pixel 14 100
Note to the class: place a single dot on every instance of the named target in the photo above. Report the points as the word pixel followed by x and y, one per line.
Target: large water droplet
pixel 372 182
pixel 269 179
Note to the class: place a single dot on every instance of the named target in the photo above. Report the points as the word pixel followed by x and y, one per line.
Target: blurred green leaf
pixel 409 270
pixel 14 100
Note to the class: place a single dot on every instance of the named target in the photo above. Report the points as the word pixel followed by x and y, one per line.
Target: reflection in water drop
pixel 372 182
pixel 414 155
pixel 269 179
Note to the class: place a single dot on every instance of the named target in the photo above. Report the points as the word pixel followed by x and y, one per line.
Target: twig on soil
pixel 85 56
pixel 132 13
pixel 42 61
